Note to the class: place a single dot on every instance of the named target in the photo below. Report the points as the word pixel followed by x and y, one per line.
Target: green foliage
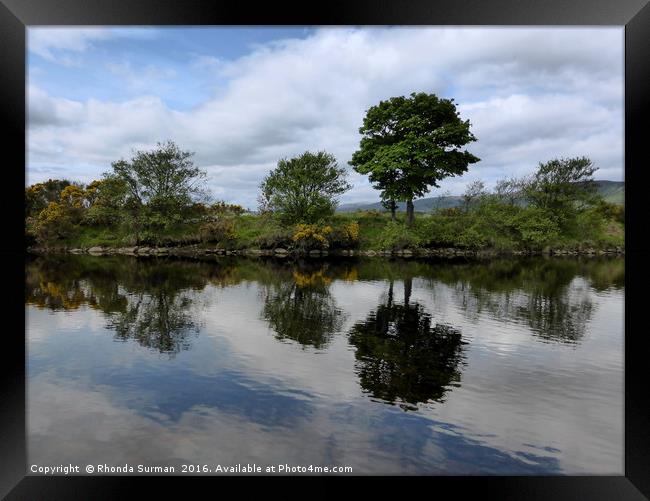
pixel 304 189
pixel 132 206
pixel 562 187
pixel 611 211
pixel 442 229
pixel 491 224
pixel 396 236
pixel 410 144
pixel 472 238
pixel 161 184
pixel 108 198
pixel 535 227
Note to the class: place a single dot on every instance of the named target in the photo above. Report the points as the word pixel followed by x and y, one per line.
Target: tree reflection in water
pixel 149 301
pixel 154 301
pixel 550 296
pixel 161 321
pixel 401 357
pixel 300 307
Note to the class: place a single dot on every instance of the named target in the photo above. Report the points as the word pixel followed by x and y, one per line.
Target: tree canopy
pixel 39 195
pixel 162 178
pixel 561 186
pixel 161 185
pixel 304 189
pixel 409 144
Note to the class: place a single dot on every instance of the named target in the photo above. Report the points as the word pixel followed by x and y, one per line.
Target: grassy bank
pixel 497 228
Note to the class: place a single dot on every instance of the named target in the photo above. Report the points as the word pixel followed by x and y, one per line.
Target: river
pixel 507 367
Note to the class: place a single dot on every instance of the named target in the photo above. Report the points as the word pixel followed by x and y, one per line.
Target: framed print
pixel 370 240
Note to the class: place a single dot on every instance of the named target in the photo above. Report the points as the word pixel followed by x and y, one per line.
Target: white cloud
pixel 56 44
pixel 46 42
pixel 531 95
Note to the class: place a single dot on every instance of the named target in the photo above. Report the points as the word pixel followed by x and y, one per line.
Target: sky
pixel 241 98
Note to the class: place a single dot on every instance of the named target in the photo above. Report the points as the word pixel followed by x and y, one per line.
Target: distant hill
pixel 421 205
pixel 612 191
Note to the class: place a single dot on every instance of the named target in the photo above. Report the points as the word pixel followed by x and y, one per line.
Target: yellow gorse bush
pixel 351 231
pixel 309 236
pixel 73 196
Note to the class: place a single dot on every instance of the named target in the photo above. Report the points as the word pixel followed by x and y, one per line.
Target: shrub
pixel 471 238
pixel 274 238
pixel 611 211
pixel 311 236
pixel 589 226
pixel 61 219
pixel 54 222
pixel 30 234
pixel 397 236
pixel 221 230
pixel 535 228
pixel 440 230
pixel 346 236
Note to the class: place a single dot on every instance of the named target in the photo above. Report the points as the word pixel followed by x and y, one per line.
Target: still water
pixel 509 367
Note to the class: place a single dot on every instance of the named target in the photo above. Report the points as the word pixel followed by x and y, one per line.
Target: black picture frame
pixel 634 15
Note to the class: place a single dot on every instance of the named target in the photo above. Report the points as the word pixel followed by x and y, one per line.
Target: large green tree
pixel 409 144
pixel 304 189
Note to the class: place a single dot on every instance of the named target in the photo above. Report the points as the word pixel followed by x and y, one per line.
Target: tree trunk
pixel 408 287
pixel 393 207
pixel 410 216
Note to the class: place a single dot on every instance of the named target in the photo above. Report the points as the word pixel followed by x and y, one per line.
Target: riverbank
pixel 197 250
pixel 487 233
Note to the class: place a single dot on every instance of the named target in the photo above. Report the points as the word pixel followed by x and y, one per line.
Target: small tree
pixel 473 193
pixel 562 187
pixel 410 144
pixel 304 189
pixel 163 180
pixel 509 191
